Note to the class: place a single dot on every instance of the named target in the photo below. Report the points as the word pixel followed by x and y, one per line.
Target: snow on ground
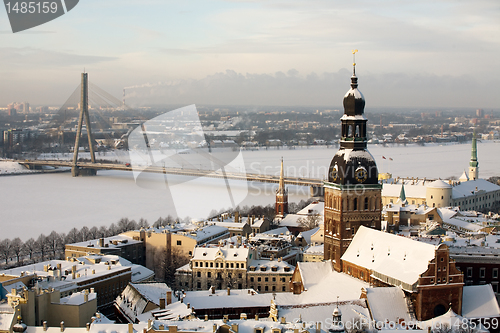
pixel 8 167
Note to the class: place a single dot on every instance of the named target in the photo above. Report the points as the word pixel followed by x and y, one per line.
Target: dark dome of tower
pixel 351 167
pixel 354 101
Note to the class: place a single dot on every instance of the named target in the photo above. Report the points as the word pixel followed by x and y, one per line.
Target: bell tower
pixel 353 196
pixel 474 164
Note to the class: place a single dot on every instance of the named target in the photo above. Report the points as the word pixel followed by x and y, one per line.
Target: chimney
pixel 318 327
pixel 44 323
pixel 212 288
pixel 101 242
pixel 86 295
pixel 206 317
pixel 149 323
pixel 243 316
pixel 236 217
pixel 161 327
pixel 162 303
pixel 228 291
pixel 188 305
pixel 256 317
pixel 46 268
pixel 214 328
pixel 73 272
pixel 87 326
pixel 62 326
pixel 59 266
pixel 283 320
pixel 130 328
pixel 169 297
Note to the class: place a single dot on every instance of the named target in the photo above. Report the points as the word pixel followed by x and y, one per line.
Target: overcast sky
pixel 421 53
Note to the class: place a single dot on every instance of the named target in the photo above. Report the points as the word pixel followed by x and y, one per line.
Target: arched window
pixel 355 205
pixel 366 203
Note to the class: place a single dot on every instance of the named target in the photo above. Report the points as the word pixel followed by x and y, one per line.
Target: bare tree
pixel 309 222
pixel 85 233
pixel 55 243
pixel 30 247
pixel 93 233
pixel 143 223
pixel 73 236
pixel 5 250
pixel 17 248
pixel 41 245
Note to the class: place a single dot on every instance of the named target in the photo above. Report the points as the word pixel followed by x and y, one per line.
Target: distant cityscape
pixel 368 252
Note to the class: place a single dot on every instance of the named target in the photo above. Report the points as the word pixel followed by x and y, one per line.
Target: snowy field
pixel 34 204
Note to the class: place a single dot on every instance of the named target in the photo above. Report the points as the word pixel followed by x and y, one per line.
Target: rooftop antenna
pixel 354 61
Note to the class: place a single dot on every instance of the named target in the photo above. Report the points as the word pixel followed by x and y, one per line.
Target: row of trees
pixel 15 252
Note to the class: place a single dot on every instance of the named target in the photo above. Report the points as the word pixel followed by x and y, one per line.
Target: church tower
pixel 353 196
pixel 474 164
pixel 281 195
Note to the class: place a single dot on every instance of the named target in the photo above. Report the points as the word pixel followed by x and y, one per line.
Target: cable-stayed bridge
pixel 143 144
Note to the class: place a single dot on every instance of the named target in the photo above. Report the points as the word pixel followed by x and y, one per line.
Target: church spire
pixel 281 195
pixel 474 164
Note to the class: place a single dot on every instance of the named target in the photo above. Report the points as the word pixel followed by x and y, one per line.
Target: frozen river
pixel 34 204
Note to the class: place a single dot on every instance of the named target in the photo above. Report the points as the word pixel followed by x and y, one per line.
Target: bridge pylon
pixel 84 112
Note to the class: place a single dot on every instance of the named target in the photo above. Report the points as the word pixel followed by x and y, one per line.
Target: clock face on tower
pixel 361 175
pixel 335 173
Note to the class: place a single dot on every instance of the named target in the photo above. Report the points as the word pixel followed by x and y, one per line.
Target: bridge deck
pixel 179 171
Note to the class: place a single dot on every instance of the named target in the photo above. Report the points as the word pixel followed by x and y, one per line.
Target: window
pixel 274 279
pixel 232 265
pixel 239 276
pixel 209 274
pixel 258 279
pixel 495 273
pixel 266 288
pixel 206 264
pixel 179 242
pixel 198 285
pixel 237 265
pixel 198 274
pixel 251 279
pixel 266 279
pixel 195 264
pixel 482 272
pixel 216 265
pixel 469 271
pixel 495 287
pixel 242 265
pixel 283 288
pixel 366 203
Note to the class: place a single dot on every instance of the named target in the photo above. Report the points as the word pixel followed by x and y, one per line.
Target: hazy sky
pixel 421 53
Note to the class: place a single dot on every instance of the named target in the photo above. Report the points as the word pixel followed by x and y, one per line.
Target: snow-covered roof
pixel 87 269
pixel 278 231
pixel 290 220
pixel 135 297
pixel 6 319
pixel 152 291
pixel 220 299
pixel 465 189
pixel 418 190
pixel 317 207
pixel 393 256
pixel 479 302
pixel 171 312
pixel 77 298
pixel 351 310
pixel 109 242
pixel 439 184
pixel 270 266
pixel 315 249
pixel 387 304
pixel 313 272
pixel 450 318
pixel 307 234
pixel 227 252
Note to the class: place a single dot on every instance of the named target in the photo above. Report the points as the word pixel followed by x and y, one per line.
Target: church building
pixel 352 192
